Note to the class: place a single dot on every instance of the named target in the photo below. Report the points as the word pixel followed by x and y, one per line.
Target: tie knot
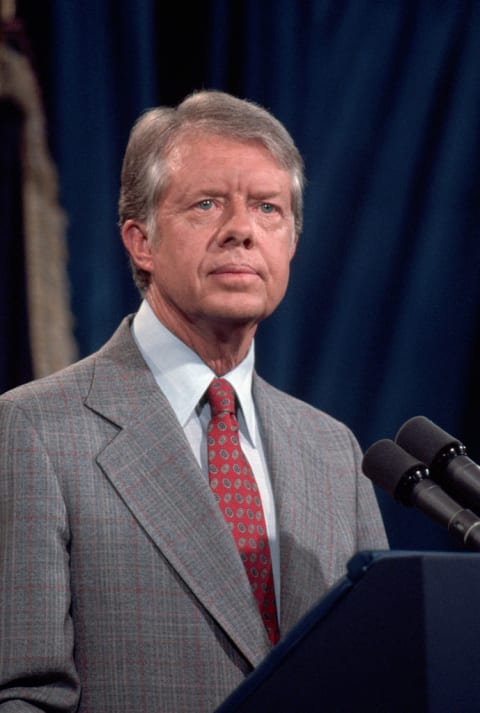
pixel 221 397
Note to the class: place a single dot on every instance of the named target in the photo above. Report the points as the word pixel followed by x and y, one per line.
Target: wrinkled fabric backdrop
pixel 381 321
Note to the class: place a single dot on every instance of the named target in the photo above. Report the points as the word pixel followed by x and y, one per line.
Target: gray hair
pixel 145 171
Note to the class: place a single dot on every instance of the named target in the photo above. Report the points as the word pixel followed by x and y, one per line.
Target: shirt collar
pixel 182 375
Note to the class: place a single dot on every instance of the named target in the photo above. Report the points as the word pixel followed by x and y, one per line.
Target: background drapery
pixel 381 320
pixel 35 319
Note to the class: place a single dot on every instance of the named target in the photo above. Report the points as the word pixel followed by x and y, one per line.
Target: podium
pixel 400 633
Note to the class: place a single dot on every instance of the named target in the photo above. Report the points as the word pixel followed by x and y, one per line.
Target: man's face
pixel 225 235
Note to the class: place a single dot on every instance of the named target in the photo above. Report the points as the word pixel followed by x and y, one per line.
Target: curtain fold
pixel 38 331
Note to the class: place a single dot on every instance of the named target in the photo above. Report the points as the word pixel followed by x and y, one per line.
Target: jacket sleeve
pixel 37 670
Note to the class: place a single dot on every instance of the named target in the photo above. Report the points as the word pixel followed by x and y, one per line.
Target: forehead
pixel 198 150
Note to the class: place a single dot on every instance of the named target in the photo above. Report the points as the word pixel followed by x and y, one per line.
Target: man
pixel 122 587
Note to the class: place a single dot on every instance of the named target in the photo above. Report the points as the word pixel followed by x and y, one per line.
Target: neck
pixel 221 344
pixel 222 358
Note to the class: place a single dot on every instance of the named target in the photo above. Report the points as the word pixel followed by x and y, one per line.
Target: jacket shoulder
pixel 295 408
pixel 73 380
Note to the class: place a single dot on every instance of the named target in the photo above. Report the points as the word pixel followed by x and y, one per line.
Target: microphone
pixel 446 458
pixel 408 481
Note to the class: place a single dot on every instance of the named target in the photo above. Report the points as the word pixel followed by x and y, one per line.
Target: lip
pixel 235 269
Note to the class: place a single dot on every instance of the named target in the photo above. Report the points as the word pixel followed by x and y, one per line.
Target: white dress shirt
pixel 184 378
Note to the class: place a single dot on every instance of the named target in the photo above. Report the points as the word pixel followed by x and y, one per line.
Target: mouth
pixel 234 269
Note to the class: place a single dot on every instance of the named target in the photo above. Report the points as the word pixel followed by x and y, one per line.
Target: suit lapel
pixel 300 568
pixel 152 467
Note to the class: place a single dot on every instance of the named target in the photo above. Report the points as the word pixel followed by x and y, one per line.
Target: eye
pixel 267 208
pixel 205 204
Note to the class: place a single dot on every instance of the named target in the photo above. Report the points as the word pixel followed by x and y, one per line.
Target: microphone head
pixel 393 469
pixel 425 440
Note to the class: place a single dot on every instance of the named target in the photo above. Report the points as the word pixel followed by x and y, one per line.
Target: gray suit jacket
pixel 120 587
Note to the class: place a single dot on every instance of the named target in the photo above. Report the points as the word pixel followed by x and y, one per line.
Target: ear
pixel 135 239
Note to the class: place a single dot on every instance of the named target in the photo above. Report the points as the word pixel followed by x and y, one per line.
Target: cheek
pixel 279 276
pixel 280 260
pixel 180 265
pixel 293 246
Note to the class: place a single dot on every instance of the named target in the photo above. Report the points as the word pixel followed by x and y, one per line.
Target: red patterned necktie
pixel 235 489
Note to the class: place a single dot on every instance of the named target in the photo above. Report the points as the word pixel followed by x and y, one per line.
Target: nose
pixel 237 228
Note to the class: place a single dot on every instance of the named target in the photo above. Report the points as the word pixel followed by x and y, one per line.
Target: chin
pixel 235 307
pixel 238 317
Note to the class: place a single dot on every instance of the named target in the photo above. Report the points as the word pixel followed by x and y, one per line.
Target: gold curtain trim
pixel 51 322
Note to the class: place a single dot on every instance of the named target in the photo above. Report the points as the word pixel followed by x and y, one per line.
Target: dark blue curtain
pixel 381 321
